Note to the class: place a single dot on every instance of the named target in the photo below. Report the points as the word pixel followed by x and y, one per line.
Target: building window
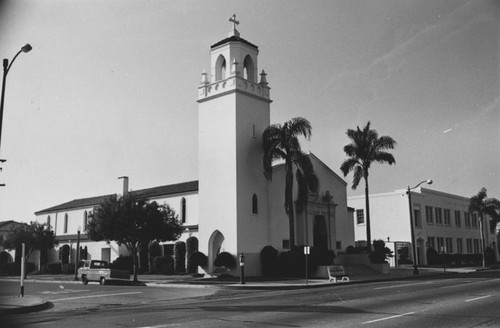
pixel 255 204
pixel 220 68
pixel 476 246
pixel 449 245
pixel 48 221
pixel 66 223
pixel 439 215
pixel 447 217
pixel 338 244
pixel 360 217
pixel 183 210
pixel 474 220
pixel 440 244
pixel 431 242
pixel 460 246
pixel 286 244
pixel 468 241
pixel 428 214
pixel 417 218
pixel 467 219
pixel 458 219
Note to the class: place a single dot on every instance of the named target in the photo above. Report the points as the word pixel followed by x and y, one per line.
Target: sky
pixel 110 89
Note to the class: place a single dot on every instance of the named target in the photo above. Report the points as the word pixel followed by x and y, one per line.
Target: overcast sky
pixel 110 89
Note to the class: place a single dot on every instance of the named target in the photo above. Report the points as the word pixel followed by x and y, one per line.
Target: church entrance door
pixel 320 233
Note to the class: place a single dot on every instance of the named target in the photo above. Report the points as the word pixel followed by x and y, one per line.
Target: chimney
pixel 125 185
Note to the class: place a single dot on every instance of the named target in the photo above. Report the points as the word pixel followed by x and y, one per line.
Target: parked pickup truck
pixel 99 271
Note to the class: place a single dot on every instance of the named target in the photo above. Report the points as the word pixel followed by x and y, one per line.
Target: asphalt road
pixel 469 300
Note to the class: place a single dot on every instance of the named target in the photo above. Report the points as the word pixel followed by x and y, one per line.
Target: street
pixel 467 300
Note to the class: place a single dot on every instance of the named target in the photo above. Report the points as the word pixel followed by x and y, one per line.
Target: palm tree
pixel 366 147
pixel 280 142
pixel 482 205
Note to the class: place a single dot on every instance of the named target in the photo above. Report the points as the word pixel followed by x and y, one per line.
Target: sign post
pixel 22 269
pixel 307 251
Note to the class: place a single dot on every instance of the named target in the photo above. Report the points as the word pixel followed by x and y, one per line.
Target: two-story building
pixel 441 221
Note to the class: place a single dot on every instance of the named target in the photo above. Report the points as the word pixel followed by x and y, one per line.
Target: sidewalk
pixel 28 303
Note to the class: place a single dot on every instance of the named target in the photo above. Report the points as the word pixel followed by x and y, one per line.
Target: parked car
pixel 99 271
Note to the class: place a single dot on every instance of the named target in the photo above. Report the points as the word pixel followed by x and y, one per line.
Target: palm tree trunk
pixel 289 202
pixel 368 228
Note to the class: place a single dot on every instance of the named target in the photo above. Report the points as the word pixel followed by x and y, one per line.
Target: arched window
pixel 183 210
pixel 220 68
pixel 248 69
pixel 255 204
pixel 66 223
pixel 85 220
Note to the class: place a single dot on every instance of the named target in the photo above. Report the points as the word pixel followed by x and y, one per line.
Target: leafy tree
pixel 133 222
pixel 365 148
pixel 482 205
pixel 35 236
pixel 280 142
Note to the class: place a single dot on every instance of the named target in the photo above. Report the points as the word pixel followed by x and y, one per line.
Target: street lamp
pixel 6 68
pixel 414 247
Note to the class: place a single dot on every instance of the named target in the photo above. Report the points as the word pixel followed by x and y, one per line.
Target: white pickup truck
pixel 99 271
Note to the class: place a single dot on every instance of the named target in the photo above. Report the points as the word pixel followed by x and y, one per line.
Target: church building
pixel 232 207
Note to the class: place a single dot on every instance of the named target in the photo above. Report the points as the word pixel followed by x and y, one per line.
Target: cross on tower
pixel 233 20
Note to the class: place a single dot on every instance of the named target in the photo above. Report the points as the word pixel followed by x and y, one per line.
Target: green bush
pixel 191 248
pixel 293 263
pixel 123 263
pixel 154 251
pixel 269 261
pixel 380 253
pixel 54 268
pixel 226 260
pixel 432 256
pixel 198 259
pixel 180 257
pixel 163 265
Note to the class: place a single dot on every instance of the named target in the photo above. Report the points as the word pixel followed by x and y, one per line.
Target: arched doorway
pixel 215 246
pixel 320 233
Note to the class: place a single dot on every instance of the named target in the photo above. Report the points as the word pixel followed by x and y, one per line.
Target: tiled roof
pixel 143 193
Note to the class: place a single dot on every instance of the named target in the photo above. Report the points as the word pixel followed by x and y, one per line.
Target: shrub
pixel 54 268
pixel 293 264
pixel 198 259
pixel 163 265
pixel 226 260
pixel 123 263
pixel 180 257
pixel 321 256
pixel 380 253
pixel 191 247
pixel 432 256
pixel 269 261
pixel 154 251
pixel 489 255
pixel 68 268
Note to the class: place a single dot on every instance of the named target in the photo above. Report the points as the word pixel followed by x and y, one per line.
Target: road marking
pixel 387 318
pixel 90 296
pixel 477 298
pixel 403 285
pixel 64 291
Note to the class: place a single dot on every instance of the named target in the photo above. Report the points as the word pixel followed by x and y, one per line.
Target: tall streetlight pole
pixel 6 68
pixel 414 247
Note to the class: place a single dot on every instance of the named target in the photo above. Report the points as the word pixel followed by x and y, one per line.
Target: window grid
pixel 447 217
pixel 360 217
pixel 428 214
pixel 439 215
pixel 458 219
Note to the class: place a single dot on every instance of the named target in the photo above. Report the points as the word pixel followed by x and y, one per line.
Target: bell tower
pixel 234 111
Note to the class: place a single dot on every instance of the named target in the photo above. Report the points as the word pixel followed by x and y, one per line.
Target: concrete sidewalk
pixel 29 303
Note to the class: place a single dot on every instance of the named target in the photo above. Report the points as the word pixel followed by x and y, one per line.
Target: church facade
pixel 231 207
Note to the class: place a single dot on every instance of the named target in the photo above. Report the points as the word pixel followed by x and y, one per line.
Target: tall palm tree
pixel 482 205
pixel 280 142
pixel 365 148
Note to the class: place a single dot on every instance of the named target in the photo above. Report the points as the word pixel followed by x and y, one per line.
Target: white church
pixel 231 207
